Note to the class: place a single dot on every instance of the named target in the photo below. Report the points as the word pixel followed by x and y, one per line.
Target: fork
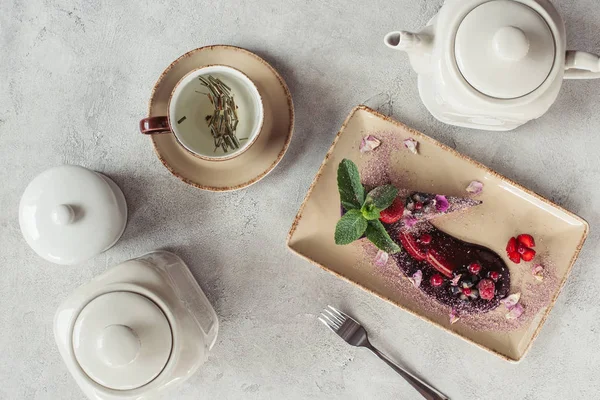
pixel 354 334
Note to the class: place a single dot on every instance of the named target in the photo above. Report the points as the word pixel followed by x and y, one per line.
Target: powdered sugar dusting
pixel 535 295
pixel 377 170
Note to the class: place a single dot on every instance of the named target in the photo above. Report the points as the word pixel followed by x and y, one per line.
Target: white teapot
pixel 492 65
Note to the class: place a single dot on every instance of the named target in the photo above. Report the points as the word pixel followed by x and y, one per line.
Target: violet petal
pixel 369 143
pixel 511 301
pixel 417 278
pixel 453 317
pixel 515 312
pixel 441 203
pixel 454 281
pixel 411 144
pixel 381 258
pixel 410 221
pixel 538 272
pixel 475 187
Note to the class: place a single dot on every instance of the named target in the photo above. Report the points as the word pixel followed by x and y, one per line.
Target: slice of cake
pixel 468 277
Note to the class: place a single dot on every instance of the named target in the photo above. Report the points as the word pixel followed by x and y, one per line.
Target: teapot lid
pixel 504 49
pixel 122 340
pixel 69 214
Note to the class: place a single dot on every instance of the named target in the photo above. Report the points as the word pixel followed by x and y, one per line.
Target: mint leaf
pixel 350 227
pixel 369 211
pixel 382 197
pixel 352 192
pixel 349 206
pixel 378 200
pixel 377 234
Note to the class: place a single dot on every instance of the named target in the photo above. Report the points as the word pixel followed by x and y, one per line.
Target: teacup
pixel 204 121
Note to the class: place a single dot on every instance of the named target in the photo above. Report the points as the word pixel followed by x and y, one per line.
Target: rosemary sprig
pixel 224 121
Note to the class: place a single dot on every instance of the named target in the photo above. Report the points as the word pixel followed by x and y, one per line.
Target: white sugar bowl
pixel 138 329
pixel 492 65
pixel 69 214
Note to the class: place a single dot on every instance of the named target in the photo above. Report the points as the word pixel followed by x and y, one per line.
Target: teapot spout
pixel 418 46
pixel 408 41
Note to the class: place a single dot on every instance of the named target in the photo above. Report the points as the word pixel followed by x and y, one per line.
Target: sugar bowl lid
pixel 69 214
pixel 122 340
pixel 504 49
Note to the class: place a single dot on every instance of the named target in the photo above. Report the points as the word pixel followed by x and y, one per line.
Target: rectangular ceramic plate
pixel 507 209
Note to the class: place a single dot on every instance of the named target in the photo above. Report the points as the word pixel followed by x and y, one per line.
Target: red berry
pixel 474 268
pixel 439 263
pixel 526 240
pixel 521 249
pixel 436 280
pixel 393 213
pixel 466 291
pixel 425 238
pixel 528 255
pixel 487 289
pixel 418 205
pixel 514 257
pixel 494 276
pixel 511 247
pixel 411 246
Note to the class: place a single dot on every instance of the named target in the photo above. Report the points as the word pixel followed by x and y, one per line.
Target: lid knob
pixel 510 43
pixel 63 214
pixel 118 345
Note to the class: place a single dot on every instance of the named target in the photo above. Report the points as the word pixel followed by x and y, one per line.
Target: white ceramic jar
pixel 492 65
pixel 136 330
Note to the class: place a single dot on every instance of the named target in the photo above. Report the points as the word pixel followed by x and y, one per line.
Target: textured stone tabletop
pixel 75 78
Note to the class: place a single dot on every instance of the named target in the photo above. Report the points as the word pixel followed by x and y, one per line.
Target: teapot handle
pixel 581 65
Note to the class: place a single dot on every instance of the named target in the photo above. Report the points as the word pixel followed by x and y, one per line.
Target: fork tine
pixel 338 312
pixel 336 322
pixel 335 317
pixel 332 323
pixel 325 322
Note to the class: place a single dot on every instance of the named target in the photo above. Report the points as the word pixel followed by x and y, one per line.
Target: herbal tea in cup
pixel 214 112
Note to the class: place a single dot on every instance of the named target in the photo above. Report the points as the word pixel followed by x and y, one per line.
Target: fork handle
pixel 425 389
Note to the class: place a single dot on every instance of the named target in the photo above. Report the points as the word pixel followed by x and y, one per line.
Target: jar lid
pixel 69 214
pixel 122 340
pixel 504 49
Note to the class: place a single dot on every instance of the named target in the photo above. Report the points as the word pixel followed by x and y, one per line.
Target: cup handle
pixel 154 125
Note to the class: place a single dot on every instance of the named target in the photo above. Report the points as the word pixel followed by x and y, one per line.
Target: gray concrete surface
pixel 75 77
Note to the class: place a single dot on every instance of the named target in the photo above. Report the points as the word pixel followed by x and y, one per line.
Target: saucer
pixel 261 157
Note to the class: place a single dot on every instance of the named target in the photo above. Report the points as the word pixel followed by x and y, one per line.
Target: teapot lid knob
pixel 63 214
pixel 118 345
pixel 510 43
